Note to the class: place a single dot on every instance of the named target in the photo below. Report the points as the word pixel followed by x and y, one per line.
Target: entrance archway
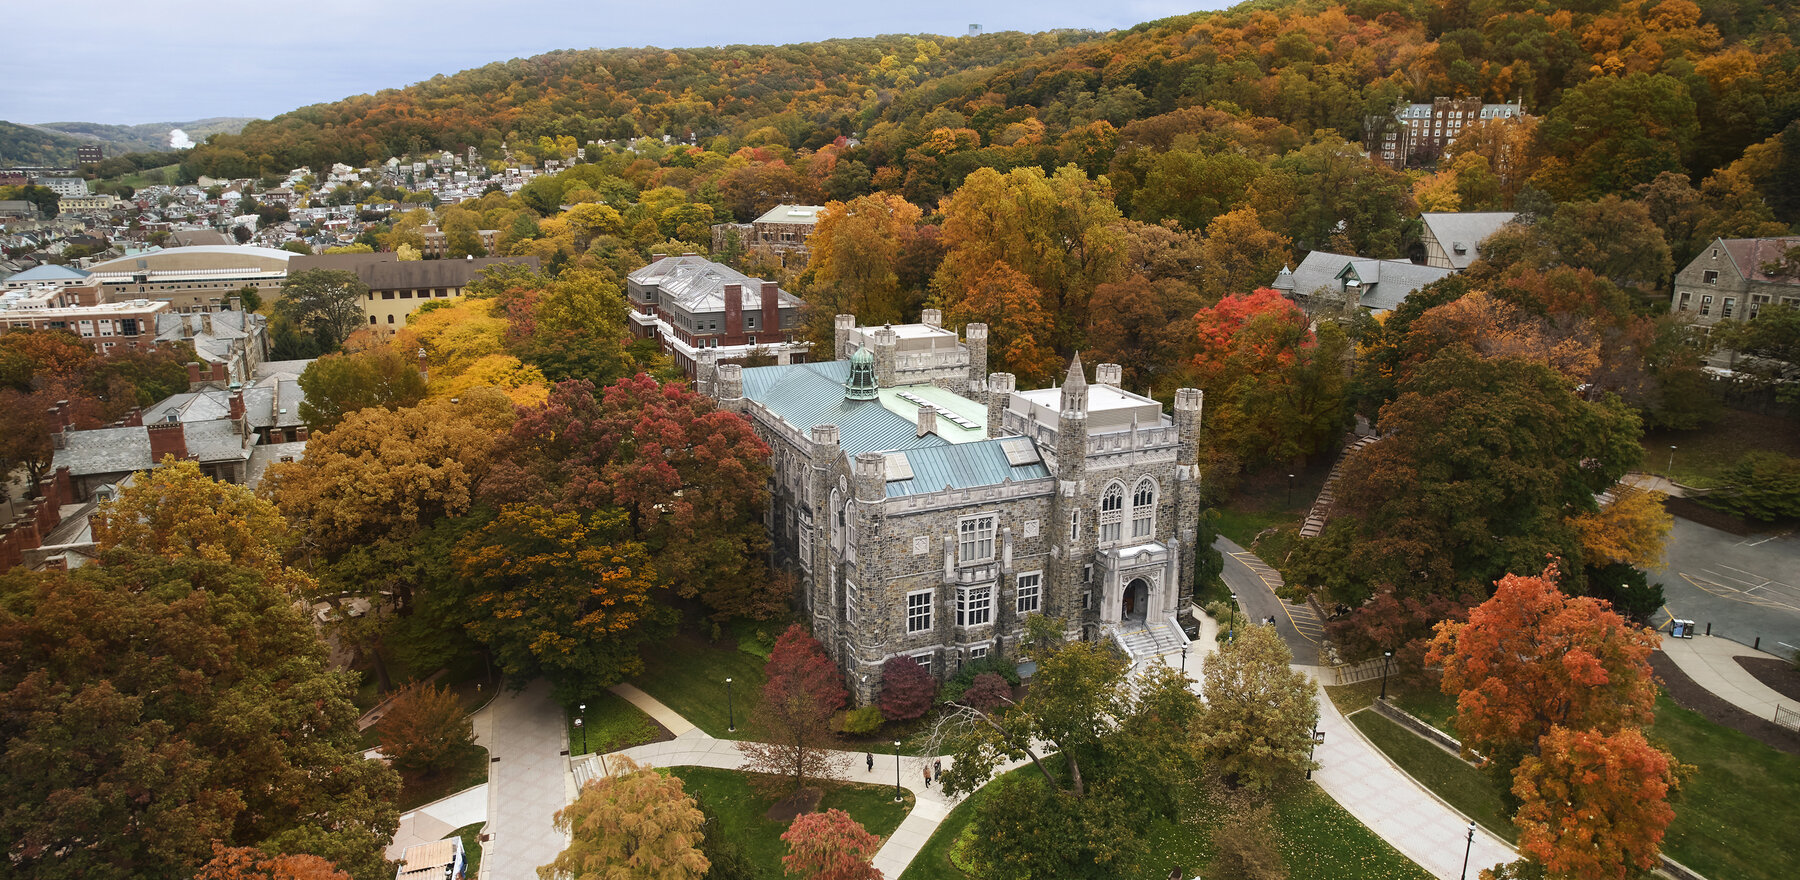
pixel 1137 600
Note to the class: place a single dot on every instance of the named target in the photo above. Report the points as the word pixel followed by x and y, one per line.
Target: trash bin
pixel 1682 629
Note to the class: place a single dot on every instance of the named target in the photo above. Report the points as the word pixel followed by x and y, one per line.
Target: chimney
pixel 771 308
pixel 167 438
pixel 302 434
pixel 927 420
pixel 206 323
pixel 734 311
pixel 657 257
pixel 237 302
pixel 237 404
pixel 193 375
pixel 134 418
pixel 64 417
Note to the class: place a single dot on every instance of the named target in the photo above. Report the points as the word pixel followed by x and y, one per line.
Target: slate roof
pixel 1469 229
pixel 1385 282
pixel 696 285
pixel 106 451
pixel 1749 255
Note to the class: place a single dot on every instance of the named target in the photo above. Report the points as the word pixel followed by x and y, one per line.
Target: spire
pixel 1075 391
pixel 862 385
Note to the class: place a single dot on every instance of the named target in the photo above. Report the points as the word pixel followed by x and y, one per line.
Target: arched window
pixel 1143 509
pixel 1112 513
pixel 840 522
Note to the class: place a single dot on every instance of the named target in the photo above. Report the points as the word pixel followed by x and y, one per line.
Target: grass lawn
pixel 611 724
pixel 1731 816
pixel 471 838
pixel 687 673
pixel 1702 456
pixel 469 770
pixel 1319 841
pixel 740 810
pixel 1242 526
pixel 1424 702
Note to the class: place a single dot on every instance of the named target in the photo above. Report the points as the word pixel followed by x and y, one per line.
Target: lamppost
pixel 897 797
pixel 1184 647
pixel 1231 626
pixel 1669 472
pixel 583 735
pixel 730 711
pixel 1318 737
pixel 1467 848
pixel 1290 495
pixel 1386 657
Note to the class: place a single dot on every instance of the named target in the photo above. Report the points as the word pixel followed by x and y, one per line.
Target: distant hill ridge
pixel 54 143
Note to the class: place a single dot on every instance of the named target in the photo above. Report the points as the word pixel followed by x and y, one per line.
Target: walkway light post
pixel 897 797
pixel 1231 627
pixel 583 735
pixel 1467 848
pixel 1318 738
pixel 730 712
pixel 1290 495
pixel 1386 657
pixel 1184 647
pixel 1669 472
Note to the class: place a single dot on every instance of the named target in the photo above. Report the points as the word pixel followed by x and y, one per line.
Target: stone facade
pixel 1730 280
pixel 930 520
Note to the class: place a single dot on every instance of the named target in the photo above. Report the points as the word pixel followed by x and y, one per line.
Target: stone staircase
pixel 1321 509
pixel 1147 640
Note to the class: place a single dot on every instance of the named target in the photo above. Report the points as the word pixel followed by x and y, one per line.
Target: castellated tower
pixel 975 338
pixel 1000 388
pixel 887 344
pixel 843 325
pixel 731 387
pixel 1188 405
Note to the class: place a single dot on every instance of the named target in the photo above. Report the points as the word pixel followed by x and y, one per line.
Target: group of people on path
pixel 934 771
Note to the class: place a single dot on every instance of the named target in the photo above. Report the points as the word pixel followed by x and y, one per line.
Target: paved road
pixel 1255 582
pixel 1747 588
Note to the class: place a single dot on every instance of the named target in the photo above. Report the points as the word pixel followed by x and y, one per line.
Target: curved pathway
pixel 1709 662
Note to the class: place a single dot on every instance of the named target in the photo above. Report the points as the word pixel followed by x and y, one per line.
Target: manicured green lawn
pixel 1734 817
pixel 740 810
pixel 1242 526
pixel 687 673
pixel 471 838
pixel 1463 786
pixel 469 770
pixel 1424 702
pixel 1319 841
pixel 1702 456
pixel 611 724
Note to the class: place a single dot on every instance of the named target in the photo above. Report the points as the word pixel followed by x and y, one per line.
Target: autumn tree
pixel 906 689
pixel 1240 254
pixel 339 384
pixel 1142 325
pixel 1594 804
pixel 1020 331
pixel 1328 187
pixel 829 846
pixel 857 247
pixel 152 706
pixel 1248 843
pixel 1275 386
pixel 691 478
pixel 804 689
pixel 1611 133
pixel 1256 727
pixel 1632 528
pixel 563 595
pixel 325 302
pixel 1533 658
pixel 424 729
pixel 632 824
pixel 249 863
pixel 176 512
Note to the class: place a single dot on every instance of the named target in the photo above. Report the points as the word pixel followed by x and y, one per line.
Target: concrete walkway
pixel 527 783
pixel 1708 661
pixel 436 820
pixel 1401 811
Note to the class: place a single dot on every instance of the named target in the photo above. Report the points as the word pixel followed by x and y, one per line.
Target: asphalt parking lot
pixel 1747 588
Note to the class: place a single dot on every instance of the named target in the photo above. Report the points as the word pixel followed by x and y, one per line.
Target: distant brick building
pixel 88 154
pixel 1417 134
pixel 692 304
pixel 784 230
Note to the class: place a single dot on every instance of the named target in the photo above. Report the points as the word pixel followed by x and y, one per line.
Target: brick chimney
pixel 167 438
pixel 734 311
pixel 237 404
pixel 771 309
pixel 303 434
pixel 193 374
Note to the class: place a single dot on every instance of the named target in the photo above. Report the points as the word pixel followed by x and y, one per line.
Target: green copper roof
pixel 962 466
pixel 862 384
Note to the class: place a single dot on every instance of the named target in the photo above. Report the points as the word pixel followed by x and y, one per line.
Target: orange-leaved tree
pixel 1595 805
pixel 830 846
pixel 250 863
pixel 1532 658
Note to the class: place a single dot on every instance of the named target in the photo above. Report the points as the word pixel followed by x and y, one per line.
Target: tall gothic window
pixel 1112 513
pixel 1143 509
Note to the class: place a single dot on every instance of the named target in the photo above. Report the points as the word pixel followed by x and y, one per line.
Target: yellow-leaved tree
pixel 1633 529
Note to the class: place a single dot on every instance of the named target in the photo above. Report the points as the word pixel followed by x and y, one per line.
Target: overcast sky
pixel 129 62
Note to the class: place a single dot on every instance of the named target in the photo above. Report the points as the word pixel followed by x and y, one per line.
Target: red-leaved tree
pixel 1594 805
pixel 830 846
pixel 906 689
pixel 1531 658
pixel 250 863
pixel 692 478
pixel 803 691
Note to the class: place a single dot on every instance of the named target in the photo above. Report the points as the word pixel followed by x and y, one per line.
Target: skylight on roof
pixel 1019 451
pixel 898 468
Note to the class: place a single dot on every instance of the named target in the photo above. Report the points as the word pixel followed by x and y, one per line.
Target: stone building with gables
pixel 929 506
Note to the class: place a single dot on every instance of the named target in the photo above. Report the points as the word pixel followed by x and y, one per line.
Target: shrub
pixel 959 684
pixel 906 689
pixel 988 692
pixel 425 729
pixel 862 721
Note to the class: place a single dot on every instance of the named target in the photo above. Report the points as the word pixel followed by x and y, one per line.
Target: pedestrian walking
pixel 927 776
pixel 871 757
pixel 937 770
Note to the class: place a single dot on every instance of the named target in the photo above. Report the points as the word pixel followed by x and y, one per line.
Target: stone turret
pixel 706 373
pixel 887 346
pixel 1109 374
pixel 1000 388
pixel 1071 431
pixel 932 318
pixel 975 337
pixel 871 477
pixel 844 325
pixel 731 387
pixel 1189 403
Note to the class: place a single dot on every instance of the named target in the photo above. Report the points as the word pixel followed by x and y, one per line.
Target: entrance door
pixel 1137 600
